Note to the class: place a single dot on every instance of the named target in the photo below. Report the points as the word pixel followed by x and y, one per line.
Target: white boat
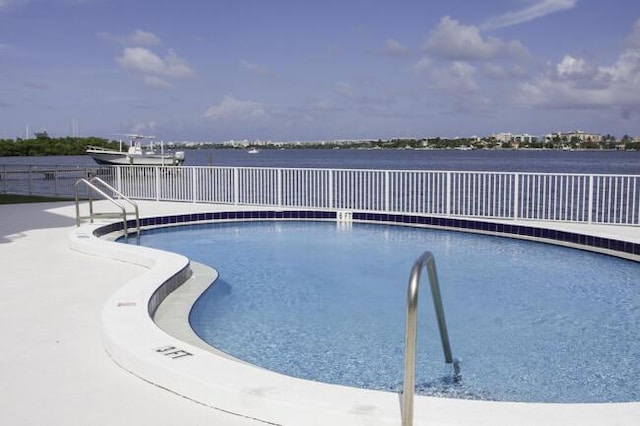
pixel 253 151
pixel 135 155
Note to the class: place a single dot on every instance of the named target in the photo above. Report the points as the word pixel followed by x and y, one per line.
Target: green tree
pixel 44 145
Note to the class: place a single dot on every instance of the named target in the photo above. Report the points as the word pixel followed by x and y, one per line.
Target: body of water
pixel 546 161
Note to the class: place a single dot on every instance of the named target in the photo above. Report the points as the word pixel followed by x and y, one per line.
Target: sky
pixel 286 70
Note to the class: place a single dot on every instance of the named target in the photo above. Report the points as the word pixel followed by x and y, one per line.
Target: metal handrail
pixel 425 260
pixel 120 195
pixel 91 216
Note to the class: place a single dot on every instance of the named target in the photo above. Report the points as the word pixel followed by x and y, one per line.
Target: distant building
pixel 503 137
pixel 574 136
pixel 514 139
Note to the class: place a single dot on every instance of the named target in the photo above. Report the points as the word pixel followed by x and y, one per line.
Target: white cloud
pixel 177 67
pixel 452 40
pixel 139 59
pixel 500 72
pixel 143 38
pixel 137 38
pixel 459 77
pixel 625 70
pixel 571 67
pixel 255 69
pixel 537 10
pixel 634 39
pixel 573 83
pixel 156 82
pixel 456 86
pixel 144 61
pixel 423 66
pixel 495 71
pixel 394 48
pixel 234 109
pixel 144 127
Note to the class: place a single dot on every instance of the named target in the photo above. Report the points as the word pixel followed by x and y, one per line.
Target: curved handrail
pixel 120 195
pixel 426 260
pixel 123 210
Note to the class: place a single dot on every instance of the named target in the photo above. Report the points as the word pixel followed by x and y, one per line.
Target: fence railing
pixel 54 181
pixel 585 198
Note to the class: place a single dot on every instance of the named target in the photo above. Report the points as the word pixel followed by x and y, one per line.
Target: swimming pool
pixel 578 334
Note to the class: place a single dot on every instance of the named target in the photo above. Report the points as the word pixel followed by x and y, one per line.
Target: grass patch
pixel 19 199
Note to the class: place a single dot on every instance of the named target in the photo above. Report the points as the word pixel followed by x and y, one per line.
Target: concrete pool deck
pixel 54 367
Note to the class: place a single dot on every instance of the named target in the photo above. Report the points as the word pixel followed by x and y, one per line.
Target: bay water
pixel 542 161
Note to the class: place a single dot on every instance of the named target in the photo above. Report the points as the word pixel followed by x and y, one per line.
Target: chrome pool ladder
pixel 103 188
pixel 426 260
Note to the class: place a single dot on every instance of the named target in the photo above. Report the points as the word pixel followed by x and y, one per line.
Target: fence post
pixel 279 187
pixel 119 179
pixel 387 191
pixel 236 186
pixel 516 196
pixel 156 174
pixel 449 195
pixel 590 201
pixel 330 183
pixel 194 184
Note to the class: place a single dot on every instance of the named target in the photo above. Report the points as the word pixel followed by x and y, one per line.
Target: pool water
pixel 326 302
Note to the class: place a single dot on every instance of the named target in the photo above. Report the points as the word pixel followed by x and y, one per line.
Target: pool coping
pixel 138 345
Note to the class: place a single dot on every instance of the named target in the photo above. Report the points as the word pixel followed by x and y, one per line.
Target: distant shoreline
pixel 44 145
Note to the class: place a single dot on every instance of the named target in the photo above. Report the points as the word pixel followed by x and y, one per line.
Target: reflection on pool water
pixel 320 301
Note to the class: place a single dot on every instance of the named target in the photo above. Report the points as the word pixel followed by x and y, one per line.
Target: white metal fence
pixel 606 199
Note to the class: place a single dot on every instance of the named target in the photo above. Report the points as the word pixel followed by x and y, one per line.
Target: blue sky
pixel 300 70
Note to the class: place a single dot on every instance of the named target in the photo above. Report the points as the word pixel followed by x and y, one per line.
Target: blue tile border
pixel 469 225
